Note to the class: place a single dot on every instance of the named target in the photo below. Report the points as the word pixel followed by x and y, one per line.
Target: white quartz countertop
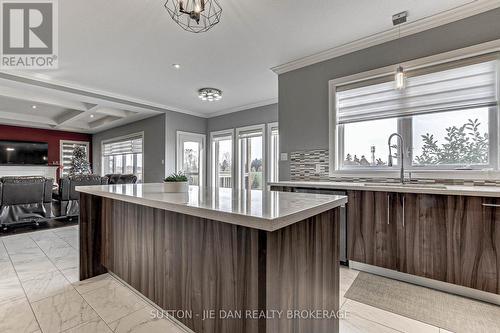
pixel 265 210
pixel 478 190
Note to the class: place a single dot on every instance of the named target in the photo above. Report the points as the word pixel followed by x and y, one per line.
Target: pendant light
pixel 400 76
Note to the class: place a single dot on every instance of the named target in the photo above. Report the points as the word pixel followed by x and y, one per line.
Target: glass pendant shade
pixel 400 79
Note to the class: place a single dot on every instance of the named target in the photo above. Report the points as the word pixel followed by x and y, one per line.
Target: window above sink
pixel 447 115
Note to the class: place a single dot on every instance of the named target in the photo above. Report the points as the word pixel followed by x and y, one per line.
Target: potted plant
pixel 175 183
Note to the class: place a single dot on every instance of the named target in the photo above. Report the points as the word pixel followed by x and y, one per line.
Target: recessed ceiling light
pixel 33 106
pixel 92 116
pixel 176 66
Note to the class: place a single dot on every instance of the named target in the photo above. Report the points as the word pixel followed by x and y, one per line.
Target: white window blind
pixel 250 134
pixel 447 90
pixel 129 146
pixel 67 148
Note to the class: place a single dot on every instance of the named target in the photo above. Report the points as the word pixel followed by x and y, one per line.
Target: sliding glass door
pixel 222 159
pixel 191 156
pixel 251 148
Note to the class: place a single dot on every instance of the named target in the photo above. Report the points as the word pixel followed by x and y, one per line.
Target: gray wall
pixel 303 93
pixel 255 116
pixel 154 145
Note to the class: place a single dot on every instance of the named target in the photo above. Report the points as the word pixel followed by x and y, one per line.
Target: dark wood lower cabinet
pixel 454 239
pixel 372 230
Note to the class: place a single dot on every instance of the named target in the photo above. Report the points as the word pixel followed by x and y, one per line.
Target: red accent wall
pixel 16 133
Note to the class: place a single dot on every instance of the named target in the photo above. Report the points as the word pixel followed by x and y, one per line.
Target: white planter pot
pixel 175 187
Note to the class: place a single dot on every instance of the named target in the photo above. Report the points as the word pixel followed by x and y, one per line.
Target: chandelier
pixel 194 15
pixel 210 94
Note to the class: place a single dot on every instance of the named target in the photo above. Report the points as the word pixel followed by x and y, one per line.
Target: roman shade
pixel 458 88
pixel 132 145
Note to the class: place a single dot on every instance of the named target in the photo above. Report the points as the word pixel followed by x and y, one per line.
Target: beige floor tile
pixel 95 326
pixel 141 321
pixel 63 311
pixel 41 235
pixel 388 319
pixel 355 324
pixel 104 280
pixel 45 285
pixel 17 317
pixel 442 330
pixel 113 302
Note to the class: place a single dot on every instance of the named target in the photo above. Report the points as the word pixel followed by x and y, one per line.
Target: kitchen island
pixel 219 261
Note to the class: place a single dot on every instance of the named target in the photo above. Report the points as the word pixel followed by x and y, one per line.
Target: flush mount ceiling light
pixel 194 15
pixel 210 94
pixel 400 77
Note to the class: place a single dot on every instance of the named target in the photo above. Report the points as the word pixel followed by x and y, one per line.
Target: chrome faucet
pixel 401 157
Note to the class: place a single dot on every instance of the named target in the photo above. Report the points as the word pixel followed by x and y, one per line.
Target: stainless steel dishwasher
pixel 343 218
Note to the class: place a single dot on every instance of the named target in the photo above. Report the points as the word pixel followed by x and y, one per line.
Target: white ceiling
pixel 127 47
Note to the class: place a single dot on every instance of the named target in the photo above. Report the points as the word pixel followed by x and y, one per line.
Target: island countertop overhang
pixel 259 209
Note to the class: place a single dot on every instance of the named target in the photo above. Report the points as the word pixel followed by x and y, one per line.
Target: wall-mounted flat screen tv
pixel 23 153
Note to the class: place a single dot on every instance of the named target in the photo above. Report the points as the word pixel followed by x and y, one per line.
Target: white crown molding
pixel 449 16
pixel 243 107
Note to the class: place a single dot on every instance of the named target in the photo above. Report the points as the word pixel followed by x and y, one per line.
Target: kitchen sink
pixel 436 186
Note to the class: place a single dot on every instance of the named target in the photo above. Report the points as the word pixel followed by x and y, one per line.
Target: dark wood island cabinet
pixel 268 261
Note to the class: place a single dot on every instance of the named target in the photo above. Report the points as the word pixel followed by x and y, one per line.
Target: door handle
pixel 388 208
pixel 491 205
pixel 404 197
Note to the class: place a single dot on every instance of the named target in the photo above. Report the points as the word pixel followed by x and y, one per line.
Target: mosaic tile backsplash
pixel 313 166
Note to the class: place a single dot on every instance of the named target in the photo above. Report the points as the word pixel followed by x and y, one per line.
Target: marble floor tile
pixel 141 321
pixel 389 319
pixel 3 252
pixel 104 280
pixel 45 285
pixel 17 317
pixel 29 269
pixel 66 232
pixel 41 235
pixel 50 245
pixel 60 251
pixel 18 243
pixel 10 289
pixel 72 274
pixel 355 324
pixel 70 260
pixel 6 269
pixel 63 311
pixel 95 326
pixel 72 241
pixel 113 302
pixel 27 254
